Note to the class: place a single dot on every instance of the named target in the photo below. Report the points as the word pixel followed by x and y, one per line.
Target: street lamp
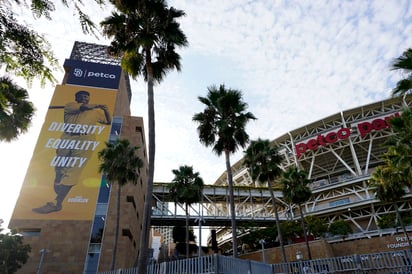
pixel 299 255
pixel 262 242
pixel 43 253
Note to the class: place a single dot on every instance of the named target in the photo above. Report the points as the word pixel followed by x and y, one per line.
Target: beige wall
pixel 323 249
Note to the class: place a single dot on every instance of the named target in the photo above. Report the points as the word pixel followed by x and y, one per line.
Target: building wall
pixel 67 241
pixel 323 249
pixel 132 207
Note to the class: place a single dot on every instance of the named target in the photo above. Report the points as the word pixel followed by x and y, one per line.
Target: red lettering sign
pixel 321 140
pixel 343 133
pixel 377 124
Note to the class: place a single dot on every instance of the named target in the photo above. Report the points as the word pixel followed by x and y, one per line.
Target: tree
pixel 120 164
pixel 222 125
pixel 13 253
pixel 27 54
pixel 316 226
pixel 15 110
pixel 389 186
pixel 340 227
pixel 290 229
pixel 263 162
pixel 391 178
pixel 403 63
pixel 399 145
pixel 186 187
pixel 179 235
pixel 296 190
pixel 145 34
pixel 24 52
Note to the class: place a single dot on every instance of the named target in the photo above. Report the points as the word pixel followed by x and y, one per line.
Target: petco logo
pixel 80 73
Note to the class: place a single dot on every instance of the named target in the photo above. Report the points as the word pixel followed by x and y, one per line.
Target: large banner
pixel 63 180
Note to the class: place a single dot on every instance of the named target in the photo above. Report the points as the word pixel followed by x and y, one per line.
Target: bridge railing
pixel 395 262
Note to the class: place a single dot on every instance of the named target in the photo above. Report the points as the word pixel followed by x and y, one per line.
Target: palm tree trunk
pixel 302 221
pixel 116 232
pixel 275 207
pixel 187 230
pixel 144 241
pixel 398 215
pixel 232 203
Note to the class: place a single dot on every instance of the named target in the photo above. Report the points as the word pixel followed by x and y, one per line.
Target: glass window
pixel 97 230
pixel 104 191
pixel 92 262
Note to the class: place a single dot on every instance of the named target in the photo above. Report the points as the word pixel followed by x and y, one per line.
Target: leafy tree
pixel 222 125
pixel 253 235
pixel 387 221
pixel 291 229
pixel 391 178
pixel 403 63
pixel 296 190
pixel 399 154
pixel 186 187
pixel 145 34
pixel 263 162
pixel 179 234
pixel 13 252
pixel 24 52
pixel 340 227
pixel 27 54
pixel 389 186
pixel 120 164
pixel 316 226
pixel 15 110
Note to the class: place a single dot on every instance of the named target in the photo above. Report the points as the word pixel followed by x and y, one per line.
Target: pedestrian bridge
pixel 253 205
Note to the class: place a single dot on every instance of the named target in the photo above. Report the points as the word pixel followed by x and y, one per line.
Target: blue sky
pixel 295 62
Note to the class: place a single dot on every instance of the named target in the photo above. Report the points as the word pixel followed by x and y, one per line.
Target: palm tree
pixel 222 125
pixel 296 190
pixel 403 63
pixel 145 34
pixel 186 187
pixel 400 145
pixel 263 161
pixel 15 110
pixel 120 164
pixel 389 186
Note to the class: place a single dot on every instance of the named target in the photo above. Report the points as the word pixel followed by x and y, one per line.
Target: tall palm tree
pixel 400 145
pixel 262 161
pixel 389 186
pixel 145 34
pixel 15 110
pixel 403 63
pixel 391 178
pixel 222 125
pixel 120 164
pixel 186 187
pixel 296 190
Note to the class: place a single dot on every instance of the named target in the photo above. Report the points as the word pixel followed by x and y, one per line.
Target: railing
pixel 396 262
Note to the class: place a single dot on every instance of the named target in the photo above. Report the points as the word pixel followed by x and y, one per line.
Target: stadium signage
pixel 363 128
pixel 90 74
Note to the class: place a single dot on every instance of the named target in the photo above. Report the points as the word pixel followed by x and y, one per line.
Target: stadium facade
pixel 75 233
pixel 339 153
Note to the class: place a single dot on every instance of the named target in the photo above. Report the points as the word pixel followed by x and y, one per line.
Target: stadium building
pixel 339 153
pixel 66 209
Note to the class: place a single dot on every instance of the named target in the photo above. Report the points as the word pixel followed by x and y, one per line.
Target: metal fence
pixel 397 262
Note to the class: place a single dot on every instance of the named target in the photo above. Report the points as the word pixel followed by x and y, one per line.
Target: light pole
pixel 299 257
pixel 262 243
pixel 200 220
pixel 42 254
